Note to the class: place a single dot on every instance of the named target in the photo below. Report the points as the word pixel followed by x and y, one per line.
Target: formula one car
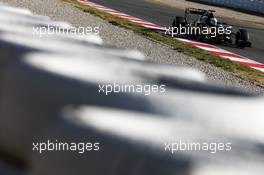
pixel 202 25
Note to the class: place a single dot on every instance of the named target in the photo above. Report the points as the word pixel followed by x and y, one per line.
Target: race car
pixel 203 26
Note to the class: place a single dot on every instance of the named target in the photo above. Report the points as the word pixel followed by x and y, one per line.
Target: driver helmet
pixel 213 21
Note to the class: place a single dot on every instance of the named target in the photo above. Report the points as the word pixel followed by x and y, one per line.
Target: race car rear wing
pixel 196 11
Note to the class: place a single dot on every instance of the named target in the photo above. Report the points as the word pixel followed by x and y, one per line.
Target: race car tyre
pixel 242 38
pixel 244 35
pixel 179 21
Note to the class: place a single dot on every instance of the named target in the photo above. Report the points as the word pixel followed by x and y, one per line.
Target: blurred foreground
pixel 51 101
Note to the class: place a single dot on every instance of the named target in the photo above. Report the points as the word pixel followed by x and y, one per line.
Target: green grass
pixel 238 70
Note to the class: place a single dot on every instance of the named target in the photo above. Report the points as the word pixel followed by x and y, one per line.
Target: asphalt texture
pixel 163 16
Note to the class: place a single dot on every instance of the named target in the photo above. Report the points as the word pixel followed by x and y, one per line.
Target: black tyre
pixel 178 21
pixel 242 38
pixel 244 35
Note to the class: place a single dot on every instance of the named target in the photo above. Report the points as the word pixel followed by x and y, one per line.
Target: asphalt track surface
pixel 163 16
